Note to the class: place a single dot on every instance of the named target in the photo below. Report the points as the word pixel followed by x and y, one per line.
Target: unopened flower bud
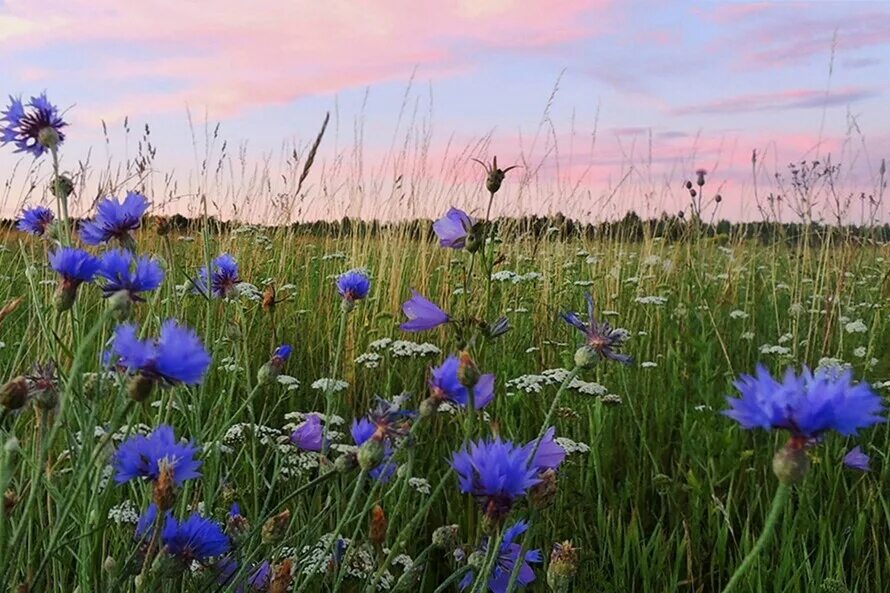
pixel 378 527
pixel 473 240
pixel 121 304
pixel 467 372
pixel 429 406
pixel 346 463
pixel 14 394
pixel 791 463
pixel 445 537
pixel 563 567
pixel 275 528
pixel 476 560
pixel 109 565
pixel 370 454
pixel 10 499
pixel 164 494
pixel 544 492
pixel 62 187
pixel 48 137
pixel 237 527
pixel 269 301
pixel 585 357
pixel 347 305
pixel 140 387
pixel 65 296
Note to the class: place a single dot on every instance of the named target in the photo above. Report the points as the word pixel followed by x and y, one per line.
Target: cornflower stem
pixel 400 538
pixel 61 201
pixel 150 552
pixel 453 578
pixel 555 404
pixel 471 413
pixel 520 559
pixel 329 391
pixel 481 583
pixel 783 493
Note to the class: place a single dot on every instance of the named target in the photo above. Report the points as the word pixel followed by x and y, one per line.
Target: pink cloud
pixel 778 101
pixel 229 55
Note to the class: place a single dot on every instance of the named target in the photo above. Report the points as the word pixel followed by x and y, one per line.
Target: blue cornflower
pixel 452 229
pixel 176 356
pixel 34 127
pixel 308 436
pixel 496 472
pixel 223 280
pixel 508 555
pixel 353 285
pixel 549 454
pixel 142 456
pixel 446 386
pixel 257 576
pixel 75 266
pixel 600 336
pixel 807 405
pixel 121 275
pixel 271 369
pixel 195 539
pixel 115 220
pixel 422 314
pixel 146 524
pixel 364 431
pixel 35 221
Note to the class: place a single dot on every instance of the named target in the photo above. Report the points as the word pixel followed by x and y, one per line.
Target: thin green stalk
pixel 453 578
pixel 783 493
pixel 329 390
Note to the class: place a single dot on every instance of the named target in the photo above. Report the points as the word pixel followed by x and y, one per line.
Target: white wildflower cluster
pixel 571 446
pixel 832 365
pixel 297 418
pixel 238 433
pixel 651 300
pixel 314 560
pixel 409 349
pixel 856 327
pixel 532 384
pixel 369 360
pixel 229 365
pixel 775 349
pixel 248 291
pixel 422 485
pixel 514 278
pixel 328 385
pixel 337 255
pixel 648 364
pixel 125 512
pixel 738 314
pixel 291 383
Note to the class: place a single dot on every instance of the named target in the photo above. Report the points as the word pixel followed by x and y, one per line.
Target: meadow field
pixel 658 492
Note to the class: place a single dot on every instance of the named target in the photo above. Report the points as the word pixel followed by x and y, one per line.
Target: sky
pixel 608 105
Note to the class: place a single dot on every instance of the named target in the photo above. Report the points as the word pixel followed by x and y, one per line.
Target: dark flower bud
pixel 65 296
pixel 378 527
pixel 283 577
pixel 275 528
pixel 681 214
pixel 164 494
pixel 62 187
pixel 791 463
pixel 544 492
pixel 476 560
pixel 14 394
pixel 370 454
pixel 693 193
pixel 445 537
pixel 10 499
pixel 688 184
pixel 346 463
pixel 700 177
pixel 467 372
pixel 269 301
pixel 563 567
pixel 237 527
pixel 473 241
pixel 718 198
pixel 429 406
pixel 140 387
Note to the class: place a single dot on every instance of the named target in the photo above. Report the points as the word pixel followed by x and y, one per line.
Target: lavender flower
pixel 600 337
pixel 115 220
pixel 223 279
pixel 422 314
pixel 445 385
pixel 33 128
pixel 308 435
pixel 807 405
pixel 856 459
pixel 452 229
pixel 508 555
pixel 36 221
pixel 142 456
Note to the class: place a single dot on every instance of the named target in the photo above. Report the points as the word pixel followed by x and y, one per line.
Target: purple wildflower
pixel 353 285
pixel 422 314
pixel 308 435
pixel 223 279
pixel 124 273
pixel 508 555
pixel 32 128
pixel 176 356
pixel 600 336
pixel 856 459
pixel 141 457
pixel 115 220
pixel 445 385
pixel 452 228
pixel 36 221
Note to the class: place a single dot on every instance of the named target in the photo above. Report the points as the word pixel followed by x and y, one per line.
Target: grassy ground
pixel 669 496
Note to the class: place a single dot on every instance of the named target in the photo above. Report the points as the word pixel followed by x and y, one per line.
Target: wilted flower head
pixel 600 337
pixel 124 273
pixel 856 459
pixel 422 314
pixel 223 279
pixel 115 220
pixel 389 419
pixel 308 436
pixel 806 404
pixel 446 385
pixel 176 356
pixel 508 555
pixel 353 285
pixel 143 456
pixel 34 127
pixel 35 221
pixel 452 229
